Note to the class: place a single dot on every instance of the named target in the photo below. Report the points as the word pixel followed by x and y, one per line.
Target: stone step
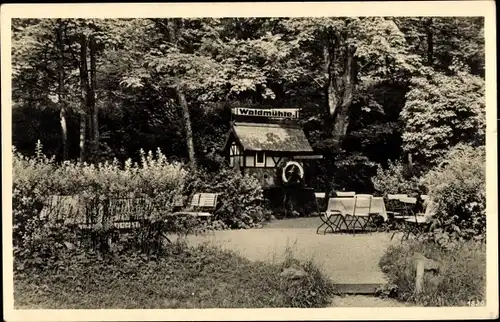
pixel 357 288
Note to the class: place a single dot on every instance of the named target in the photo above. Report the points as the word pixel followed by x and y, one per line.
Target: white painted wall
pixel 269 161
pixel 250 159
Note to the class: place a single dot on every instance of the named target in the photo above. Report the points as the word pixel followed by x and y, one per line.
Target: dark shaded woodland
pixel 371 90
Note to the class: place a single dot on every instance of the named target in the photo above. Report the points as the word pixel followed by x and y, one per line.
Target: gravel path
pixel 343 257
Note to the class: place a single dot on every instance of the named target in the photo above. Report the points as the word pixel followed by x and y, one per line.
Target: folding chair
pixel 420 222
pixel 394 204
pixel 362 209
pixel 407 211
pixel 333 217
pixel 378 214
pixel 343 194
pixel 321 196
pixel 408 205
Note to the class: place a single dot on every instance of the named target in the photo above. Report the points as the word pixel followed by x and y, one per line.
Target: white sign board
pixel 292 113
pixel 308 157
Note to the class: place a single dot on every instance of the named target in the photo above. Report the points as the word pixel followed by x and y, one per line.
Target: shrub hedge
pixel 461 277
pixel 458 187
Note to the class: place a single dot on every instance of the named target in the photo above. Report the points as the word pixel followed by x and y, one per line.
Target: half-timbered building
pixel 264 145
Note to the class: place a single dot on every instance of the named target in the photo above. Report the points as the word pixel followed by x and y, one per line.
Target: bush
pixel 31 187
pixel 312 290
pixel 185 277
pixel 461 278
pixel 241 200
pixel 458 187
pixel 395 179
pixel 36 179
pixel 154 177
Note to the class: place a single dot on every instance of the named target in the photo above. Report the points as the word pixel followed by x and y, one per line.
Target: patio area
pixel 346 258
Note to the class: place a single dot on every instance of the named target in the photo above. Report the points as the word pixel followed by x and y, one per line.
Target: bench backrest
pixel 378 205
pixel 204 200
pixel 196 200
pixel 63 207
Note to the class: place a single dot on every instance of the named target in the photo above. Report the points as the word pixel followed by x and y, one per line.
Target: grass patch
pixel 186 277
pixel 462 275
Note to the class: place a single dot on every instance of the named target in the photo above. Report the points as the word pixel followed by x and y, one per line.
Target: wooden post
pixel 419 277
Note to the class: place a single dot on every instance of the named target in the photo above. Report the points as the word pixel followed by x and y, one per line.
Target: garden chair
pixel 394 203
pixel 361 213
pixel 378 213
pixel 420 222
pixel 410 222
pixel 395 208
pixel 334 215
pixel 319 196
pixel 201 205
pixel 343 194
pixel 407 212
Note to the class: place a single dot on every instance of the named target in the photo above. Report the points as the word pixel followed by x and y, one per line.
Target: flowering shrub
pixel 154 177
pixel 31 186
pixel 36 179
pixel 394 180
pixel 458 187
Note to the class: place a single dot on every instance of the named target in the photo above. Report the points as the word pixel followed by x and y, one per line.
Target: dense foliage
pixel 395 179
pixel 458 187
pixel 460 281
pixel 442 111
pixel 241 201
pixel 184 277
pixel 395 105
pixel 39 222
pixel 371 89
pixel 36 180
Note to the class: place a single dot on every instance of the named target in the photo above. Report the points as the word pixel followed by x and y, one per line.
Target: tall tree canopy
pixel 371 89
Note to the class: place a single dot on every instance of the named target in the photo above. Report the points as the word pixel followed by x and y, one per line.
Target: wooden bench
pixel 200 205
pixel 123 213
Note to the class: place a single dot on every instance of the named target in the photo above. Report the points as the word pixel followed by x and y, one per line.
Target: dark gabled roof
pixel 271 137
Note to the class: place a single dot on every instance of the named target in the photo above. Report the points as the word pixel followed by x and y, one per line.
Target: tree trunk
pixel 93 106
pixel 84 85
pixel 341 121
pixel 187 124
pixel 60 92
pixel 430 41
pixel 331 95
pixel 172 37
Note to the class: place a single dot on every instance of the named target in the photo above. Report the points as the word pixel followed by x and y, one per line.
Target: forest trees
pixel 55 63
pixel 356 53
pixel 371 89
